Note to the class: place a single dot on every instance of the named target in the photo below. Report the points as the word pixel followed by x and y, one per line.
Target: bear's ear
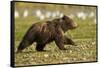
pixel 64 17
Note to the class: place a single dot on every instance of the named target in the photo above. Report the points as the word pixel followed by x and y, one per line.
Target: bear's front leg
pixel 59 38
pixel 59 43
pixel 68 40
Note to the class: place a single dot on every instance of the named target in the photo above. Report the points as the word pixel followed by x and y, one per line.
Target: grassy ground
pixel 84 36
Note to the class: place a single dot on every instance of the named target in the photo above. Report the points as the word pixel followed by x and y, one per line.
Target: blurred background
pixel 84 16
pixel 43 11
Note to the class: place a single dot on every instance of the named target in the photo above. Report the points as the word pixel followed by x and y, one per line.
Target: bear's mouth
pixel 74 26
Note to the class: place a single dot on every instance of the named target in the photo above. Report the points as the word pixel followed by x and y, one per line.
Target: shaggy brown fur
pixel 47 32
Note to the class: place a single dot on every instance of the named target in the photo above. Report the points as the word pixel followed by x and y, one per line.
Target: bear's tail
pixel 23 45
pixel 28 38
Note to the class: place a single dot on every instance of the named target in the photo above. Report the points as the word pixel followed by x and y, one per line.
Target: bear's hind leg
pixel 23 45
pixel 40 47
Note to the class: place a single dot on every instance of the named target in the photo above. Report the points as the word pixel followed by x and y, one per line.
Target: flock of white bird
pixel 53 14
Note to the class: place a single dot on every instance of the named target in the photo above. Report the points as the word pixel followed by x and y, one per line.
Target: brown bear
pixel 47 32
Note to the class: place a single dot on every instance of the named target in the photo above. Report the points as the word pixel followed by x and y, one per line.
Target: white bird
pixel 81 15
pixel 42 17
pixel 25 13
pixel 54 14
pixel 61 15
pixel 95 21
pixel 57 13
pixel 38 13
pixel 16 15
pixel 91 14
pixel 48 14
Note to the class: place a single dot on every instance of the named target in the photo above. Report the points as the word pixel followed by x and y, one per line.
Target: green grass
pixel 84 36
